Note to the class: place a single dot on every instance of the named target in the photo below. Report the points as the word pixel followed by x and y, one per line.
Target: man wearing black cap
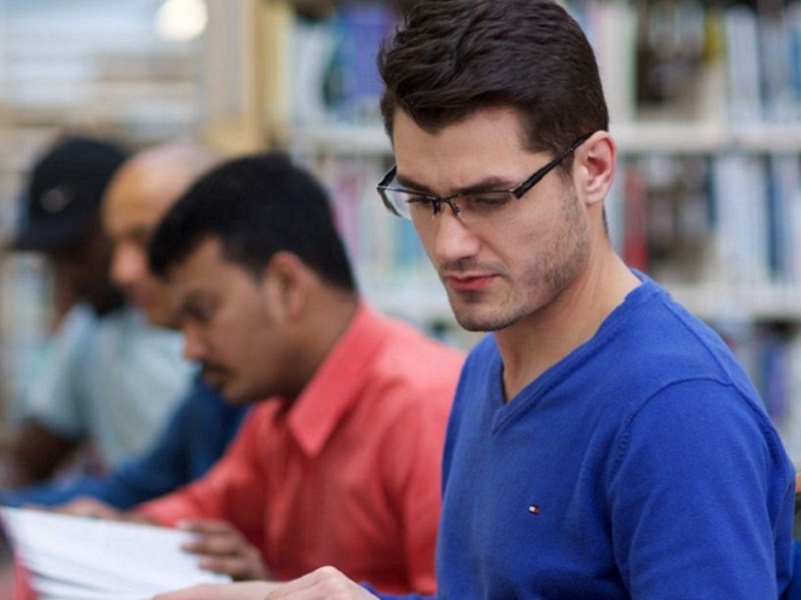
pixel 61 218
pixel 107 377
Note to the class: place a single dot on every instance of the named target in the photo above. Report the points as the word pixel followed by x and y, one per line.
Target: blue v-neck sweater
pixel 643 465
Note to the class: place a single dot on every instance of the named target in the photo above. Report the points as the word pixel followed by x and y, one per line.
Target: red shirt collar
pixel 336 385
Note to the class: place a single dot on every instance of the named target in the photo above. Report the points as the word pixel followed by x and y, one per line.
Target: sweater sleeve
pixel 701 451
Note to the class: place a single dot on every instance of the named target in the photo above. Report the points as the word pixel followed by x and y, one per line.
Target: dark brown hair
pixel 454 57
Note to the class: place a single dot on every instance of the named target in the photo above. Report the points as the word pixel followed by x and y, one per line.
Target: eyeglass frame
pixel 437 202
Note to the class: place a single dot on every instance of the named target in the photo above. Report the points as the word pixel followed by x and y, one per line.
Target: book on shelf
pixel 313 43
pixel 729 66
pixel 729 219
pixel 740 193
pixel 334 74
pixel 742 52
pixel 763 47
pixel 611 29
pixel 785 217
pixel 355 85
pixel 90 559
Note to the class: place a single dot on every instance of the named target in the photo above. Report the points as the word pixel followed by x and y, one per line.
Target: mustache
pixel 459 266
pixel 209 369
pixel 467 265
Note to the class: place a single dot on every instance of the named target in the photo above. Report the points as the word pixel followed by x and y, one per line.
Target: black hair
pixel 454 57
pixel 255 206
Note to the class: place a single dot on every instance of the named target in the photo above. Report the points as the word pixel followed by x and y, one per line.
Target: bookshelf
pixel 88 66
pixel 705 104
pixel 695 112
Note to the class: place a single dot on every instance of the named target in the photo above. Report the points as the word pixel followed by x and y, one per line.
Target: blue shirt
pixel 643 465
pixel 196 435
pixel 113 380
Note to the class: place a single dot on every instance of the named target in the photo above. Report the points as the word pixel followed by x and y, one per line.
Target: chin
pixel 478 326
pixel 476 320
pixel 472 322
pixel 235 398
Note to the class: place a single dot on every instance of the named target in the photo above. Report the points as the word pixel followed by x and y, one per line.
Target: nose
pixel 450 239
pixel 128 265
pixel 194 350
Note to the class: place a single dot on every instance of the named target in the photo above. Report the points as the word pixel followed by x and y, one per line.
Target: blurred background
pixel 129 70
pixel 705 100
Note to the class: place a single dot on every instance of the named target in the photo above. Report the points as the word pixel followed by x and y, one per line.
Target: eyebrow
pixel 489 184
pixel 190 298
pixel 195 295
pixel 139 235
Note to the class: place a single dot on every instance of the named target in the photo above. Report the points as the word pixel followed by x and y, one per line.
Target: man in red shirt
pixel 341 465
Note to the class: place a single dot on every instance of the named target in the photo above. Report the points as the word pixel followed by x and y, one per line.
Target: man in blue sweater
pixel 603 443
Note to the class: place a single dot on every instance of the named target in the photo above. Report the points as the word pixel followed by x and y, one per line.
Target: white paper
pixel 84 558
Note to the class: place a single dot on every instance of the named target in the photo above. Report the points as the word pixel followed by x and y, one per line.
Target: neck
pixel 327 318
pixel 544 338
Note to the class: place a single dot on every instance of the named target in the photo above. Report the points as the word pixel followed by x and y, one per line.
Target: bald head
pixel 139 194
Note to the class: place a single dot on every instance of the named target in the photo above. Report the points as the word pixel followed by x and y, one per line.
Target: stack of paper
pixel 89 559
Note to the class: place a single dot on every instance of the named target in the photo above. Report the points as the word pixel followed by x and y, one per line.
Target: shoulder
pixel 709 409
pixel 409 355
pixel 78 328
pixel 653 342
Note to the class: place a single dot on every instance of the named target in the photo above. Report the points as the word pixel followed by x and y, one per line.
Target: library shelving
pixel 705 106
pixel 92 67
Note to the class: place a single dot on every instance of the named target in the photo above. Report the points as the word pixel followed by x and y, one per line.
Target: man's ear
pixel 595 161
pixel 286 282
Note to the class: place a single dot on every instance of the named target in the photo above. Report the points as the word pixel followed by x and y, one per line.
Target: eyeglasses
pixel 468 206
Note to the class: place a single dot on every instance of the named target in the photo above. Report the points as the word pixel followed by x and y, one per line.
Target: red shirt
pixel 349 476
pixel 22 584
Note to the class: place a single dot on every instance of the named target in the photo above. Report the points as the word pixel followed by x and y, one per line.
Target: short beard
pixel 555 269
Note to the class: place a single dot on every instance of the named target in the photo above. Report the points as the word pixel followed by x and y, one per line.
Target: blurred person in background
pixel 202 425
pixel 107 380
pixel 138 196
pixel 338 460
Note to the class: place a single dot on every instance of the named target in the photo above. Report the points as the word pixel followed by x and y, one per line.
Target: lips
pixel 214 377
pixel 469 283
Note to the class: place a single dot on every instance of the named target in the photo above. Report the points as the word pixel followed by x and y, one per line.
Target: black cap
pixel 64 192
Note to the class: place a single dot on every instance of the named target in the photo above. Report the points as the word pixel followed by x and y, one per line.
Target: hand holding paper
pixel 222 549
